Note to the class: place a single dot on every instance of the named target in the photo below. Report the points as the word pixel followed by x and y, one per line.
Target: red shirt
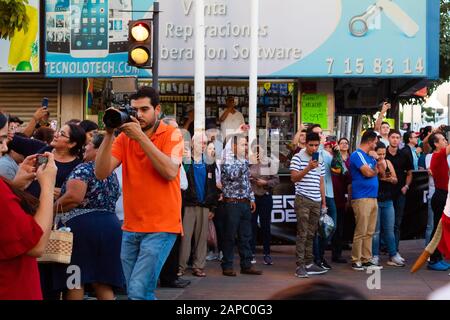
pixel 19 233
pixel 439 169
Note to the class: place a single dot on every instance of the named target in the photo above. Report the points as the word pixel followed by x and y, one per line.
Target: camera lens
pixel 112 118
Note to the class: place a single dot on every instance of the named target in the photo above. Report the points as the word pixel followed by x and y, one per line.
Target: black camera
pixel 114 118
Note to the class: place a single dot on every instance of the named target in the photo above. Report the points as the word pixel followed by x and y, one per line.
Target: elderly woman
pixel 25 225
pixel 88 205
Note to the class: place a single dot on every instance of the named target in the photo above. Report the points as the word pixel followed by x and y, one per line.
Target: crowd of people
pixel 142 201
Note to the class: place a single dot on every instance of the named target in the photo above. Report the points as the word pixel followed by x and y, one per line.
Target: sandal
pixel 198 273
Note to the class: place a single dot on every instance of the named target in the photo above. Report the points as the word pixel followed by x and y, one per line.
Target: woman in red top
pixel 439 170
pixel 25 225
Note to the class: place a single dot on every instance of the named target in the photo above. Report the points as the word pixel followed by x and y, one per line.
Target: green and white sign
pixel 315 109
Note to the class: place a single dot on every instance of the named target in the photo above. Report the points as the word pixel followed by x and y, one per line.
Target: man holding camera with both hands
pixel 150 153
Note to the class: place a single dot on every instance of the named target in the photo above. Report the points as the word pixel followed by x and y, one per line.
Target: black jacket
pixel 211 196
pixel 408 153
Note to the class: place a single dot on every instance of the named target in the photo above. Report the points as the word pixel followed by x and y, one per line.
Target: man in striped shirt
pixel 307 172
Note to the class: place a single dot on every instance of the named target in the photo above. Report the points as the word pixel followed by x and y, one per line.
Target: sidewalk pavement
pixel 395 283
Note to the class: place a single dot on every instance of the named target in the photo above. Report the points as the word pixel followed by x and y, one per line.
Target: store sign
pixel 283 209
pixel 297 38
pixel 21 53
pixel 315 109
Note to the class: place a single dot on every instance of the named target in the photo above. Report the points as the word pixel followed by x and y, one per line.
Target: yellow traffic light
pixel 139 55
pixel 140 43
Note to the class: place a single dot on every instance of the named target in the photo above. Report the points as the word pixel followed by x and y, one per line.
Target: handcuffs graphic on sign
pixel 359 24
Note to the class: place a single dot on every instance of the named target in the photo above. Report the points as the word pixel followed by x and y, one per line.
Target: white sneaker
pixel 253 259
pixel 211 256
pixel 375 260
pixel 400 257
pixel 395 261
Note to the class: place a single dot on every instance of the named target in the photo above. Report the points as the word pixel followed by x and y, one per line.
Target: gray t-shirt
pixel 8 167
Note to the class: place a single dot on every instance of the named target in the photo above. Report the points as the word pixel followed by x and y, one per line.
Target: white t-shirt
pixel 386 142
pixel 447 203
pixel 184 184
pixel 119 203
pixel 231 123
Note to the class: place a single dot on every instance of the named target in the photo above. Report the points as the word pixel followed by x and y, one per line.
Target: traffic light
pixel 140 43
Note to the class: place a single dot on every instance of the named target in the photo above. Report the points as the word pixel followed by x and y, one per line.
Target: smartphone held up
pixel 44 103
pixel 40 160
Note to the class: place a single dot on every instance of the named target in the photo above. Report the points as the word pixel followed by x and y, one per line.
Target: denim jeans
pixel 219 224
pixel 143 256
pixel 319 243
pixel 385 224
pixel 437 204
pixel 264 212
pixel 430 223
pixel 399 207
pixel 238 221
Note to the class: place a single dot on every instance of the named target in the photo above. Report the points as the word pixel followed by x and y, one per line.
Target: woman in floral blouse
pixel 88 206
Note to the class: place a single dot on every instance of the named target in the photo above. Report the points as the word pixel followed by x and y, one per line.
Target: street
pixel 396 283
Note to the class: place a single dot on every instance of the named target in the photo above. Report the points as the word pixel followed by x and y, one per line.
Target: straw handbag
pixel 59 246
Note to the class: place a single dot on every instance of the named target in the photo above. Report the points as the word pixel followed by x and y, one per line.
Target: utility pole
pixel 253 86
pixel 199 76
pixel 155 49
pixel 448 115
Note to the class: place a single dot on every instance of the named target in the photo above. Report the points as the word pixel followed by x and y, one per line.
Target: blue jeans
pixel 399 207
pixel 430 223
pixel 143 256
pixel 385 222
pixel 320 244
pixel 238 221
pixel 264 206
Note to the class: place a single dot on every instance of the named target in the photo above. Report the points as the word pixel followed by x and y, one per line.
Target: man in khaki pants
pixel 364 169
pixel 200 201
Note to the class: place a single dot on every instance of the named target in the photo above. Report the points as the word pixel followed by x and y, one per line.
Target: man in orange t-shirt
pixel 150 153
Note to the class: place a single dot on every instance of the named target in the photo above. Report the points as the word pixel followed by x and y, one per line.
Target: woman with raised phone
pixel 25 224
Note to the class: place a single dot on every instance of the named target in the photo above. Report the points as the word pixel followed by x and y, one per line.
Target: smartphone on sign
pixel 45 103
pixel 89 28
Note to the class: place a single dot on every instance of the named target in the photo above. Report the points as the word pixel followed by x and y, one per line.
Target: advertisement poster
pixel 88 38
pixel 322 38
pixel 315 109
pixel 21 53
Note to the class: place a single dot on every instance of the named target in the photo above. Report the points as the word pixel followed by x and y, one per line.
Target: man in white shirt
pixel 381 126
pixel 230 119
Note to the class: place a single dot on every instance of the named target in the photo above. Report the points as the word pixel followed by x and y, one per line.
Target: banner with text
pixel 297 38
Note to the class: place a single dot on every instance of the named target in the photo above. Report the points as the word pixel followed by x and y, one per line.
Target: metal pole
pixel 199 77
pixel 253 86
pixel 155 49
pixel 448 115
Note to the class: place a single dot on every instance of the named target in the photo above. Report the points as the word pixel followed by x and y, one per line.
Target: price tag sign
pixel 315 109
